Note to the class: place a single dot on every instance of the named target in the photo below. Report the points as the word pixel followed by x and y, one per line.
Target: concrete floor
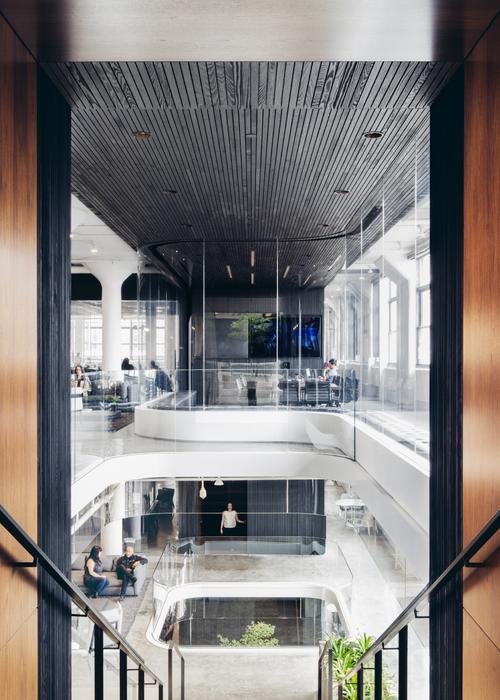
pixel 380 588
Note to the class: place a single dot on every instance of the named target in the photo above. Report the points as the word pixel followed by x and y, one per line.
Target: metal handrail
pixel 172 646
pixel 461 560
pixel 78 598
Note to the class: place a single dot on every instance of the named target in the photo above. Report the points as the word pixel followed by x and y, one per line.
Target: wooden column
pixel 481 353
pixel 18 366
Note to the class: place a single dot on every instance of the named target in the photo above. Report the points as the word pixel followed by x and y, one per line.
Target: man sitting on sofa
pixel 125 567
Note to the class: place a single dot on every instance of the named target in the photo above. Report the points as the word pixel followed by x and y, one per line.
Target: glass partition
pixel 378 304
pixel 337 323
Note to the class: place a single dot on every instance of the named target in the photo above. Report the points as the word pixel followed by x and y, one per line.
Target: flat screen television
pixel 262 336
pixel 311 336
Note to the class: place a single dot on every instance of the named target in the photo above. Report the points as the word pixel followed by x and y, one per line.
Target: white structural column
pixel 111 275
pixel 112 533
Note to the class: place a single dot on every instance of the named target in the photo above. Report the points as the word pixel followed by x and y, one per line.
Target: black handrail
pixel 76 595
pixel 411 611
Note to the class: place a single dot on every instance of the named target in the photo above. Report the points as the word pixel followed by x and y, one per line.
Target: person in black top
pixel 125 567
pixel 95 581
pixel 126 364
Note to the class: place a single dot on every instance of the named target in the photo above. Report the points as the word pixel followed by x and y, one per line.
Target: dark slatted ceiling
pixel 253 151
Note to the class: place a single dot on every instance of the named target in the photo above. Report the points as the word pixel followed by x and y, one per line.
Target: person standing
pixel 93 578
pixel 229 519
pixel 125 567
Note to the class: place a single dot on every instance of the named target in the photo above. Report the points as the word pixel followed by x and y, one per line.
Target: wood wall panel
pixel 18 367
pixel 481 669
pixel 481 347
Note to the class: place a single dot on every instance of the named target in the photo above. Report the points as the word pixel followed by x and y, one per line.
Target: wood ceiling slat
pixel 253 150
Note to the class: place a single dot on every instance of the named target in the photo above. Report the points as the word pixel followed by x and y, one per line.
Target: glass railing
pixel 112 412
pixel 198 579
pixel 117 413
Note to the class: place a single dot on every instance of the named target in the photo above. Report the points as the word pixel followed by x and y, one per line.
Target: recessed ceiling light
pixel 373 134
pixel 252 258
pixel 252 278
pixel 93 248
pixel 286 271
pixel 341 191
pixel 228 268
pixel 141 135
pixel 324 225
pixel 251 135
pixel 307 279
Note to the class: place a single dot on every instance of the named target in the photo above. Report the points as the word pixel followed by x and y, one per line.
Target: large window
pixel 352 327
pixel 423 310
pixel 393 322
pixel 375 320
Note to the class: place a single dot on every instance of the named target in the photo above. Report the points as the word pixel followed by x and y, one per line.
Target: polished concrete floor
pixel 380 588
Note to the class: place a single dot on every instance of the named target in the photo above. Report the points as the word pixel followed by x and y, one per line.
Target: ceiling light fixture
pixel 341 191
pixel 228 268
pixel 307 279
pixel 324 225
pixel 252 278
pixel 251 135
pixel 286 272
pixel 93 248
pixel 203 491
pixel 373 134
pixel 252 258
pixel 141 135
pixel 218 482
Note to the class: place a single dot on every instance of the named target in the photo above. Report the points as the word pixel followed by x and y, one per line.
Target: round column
pixel 111 276
pixel 112 533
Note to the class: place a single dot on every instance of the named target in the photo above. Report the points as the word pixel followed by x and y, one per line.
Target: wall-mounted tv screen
pixel 254 336
pixel 310 332
pixel 262 336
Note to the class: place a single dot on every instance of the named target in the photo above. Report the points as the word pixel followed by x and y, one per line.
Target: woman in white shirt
pixel 229 519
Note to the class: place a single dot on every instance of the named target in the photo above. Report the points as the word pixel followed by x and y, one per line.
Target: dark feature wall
pixel 447 171
pixel 294 508
pixel 54 457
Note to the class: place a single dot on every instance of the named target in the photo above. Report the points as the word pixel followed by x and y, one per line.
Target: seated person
pixel 93 578
pixel 126 364
pixel 125 568
pixel 323 377
pixel 333 371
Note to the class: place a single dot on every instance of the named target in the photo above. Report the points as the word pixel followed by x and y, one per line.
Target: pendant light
pixel 203 491
pixel 218 482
